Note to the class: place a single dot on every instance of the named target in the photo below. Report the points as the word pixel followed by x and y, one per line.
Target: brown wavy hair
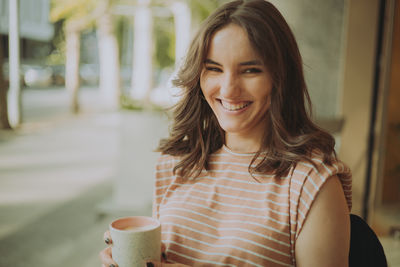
pixel 290 135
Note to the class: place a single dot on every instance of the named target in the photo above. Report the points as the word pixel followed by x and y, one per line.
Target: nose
pixel 230 86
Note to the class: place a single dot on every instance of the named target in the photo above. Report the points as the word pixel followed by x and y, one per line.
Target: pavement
pixel 65 177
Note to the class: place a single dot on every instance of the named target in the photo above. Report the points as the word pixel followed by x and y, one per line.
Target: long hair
pixel 290 135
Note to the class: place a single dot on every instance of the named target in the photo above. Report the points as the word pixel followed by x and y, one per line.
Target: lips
pixel 235 106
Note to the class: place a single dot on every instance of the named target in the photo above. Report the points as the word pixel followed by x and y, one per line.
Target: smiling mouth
pixel 236 106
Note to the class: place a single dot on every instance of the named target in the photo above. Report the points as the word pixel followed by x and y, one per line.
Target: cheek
pixel 264 90
pixel 203 84
pixel 264 94
pixel 208 86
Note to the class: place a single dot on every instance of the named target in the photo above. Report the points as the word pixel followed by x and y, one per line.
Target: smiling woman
pixel 245 178
pixel 237 86
pixel 245 31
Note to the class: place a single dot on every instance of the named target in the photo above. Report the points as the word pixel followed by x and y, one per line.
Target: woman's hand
pixel 107 261
pixel 105 254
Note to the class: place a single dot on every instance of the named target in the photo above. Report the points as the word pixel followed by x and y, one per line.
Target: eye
pixel 210 68
pixel 252 70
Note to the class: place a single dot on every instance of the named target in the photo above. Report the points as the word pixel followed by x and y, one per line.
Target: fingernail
pixel 107 240
pixel 149 264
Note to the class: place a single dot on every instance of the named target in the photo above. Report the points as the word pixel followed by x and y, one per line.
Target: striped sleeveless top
pixel 226 217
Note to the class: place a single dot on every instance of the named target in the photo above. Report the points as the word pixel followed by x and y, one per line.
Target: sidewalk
pixel 55 172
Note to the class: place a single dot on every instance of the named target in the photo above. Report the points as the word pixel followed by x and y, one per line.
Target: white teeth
pixel 233 107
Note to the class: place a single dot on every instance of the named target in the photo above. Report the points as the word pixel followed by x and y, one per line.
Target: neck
pixel 242 144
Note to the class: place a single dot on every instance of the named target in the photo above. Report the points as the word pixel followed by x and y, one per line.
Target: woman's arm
pixel 325 237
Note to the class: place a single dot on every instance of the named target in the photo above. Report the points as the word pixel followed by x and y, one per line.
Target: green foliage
pixel 164 36
pixel 121 23
pixel 127 103
pixel 57 56
pixel 62 11
pixel 71 9
pixel 130 104
pixel 164 31
pixel 201 9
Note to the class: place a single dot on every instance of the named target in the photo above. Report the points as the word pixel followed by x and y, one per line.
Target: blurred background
pixel 84 85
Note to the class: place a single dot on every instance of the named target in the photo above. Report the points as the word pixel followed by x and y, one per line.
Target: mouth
pixel 234 106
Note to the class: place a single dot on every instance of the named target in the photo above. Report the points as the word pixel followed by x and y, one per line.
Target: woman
pixel 246 178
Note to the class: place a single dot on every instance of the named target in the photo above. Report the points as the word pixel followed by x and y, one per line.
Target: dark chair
pixel 365 248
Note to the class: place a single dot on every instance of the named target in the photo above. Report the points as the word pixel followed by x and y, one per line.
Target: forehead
pixel 231 41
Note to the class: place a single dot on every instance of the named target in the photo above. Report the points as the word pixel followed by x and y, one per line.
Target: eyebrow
pixel 209 61
pixel 246 63
pixel 251 62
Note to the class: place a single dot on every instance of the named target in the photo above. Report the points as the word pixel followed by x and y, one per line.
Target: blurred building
pixel 34 19
pixel 35 33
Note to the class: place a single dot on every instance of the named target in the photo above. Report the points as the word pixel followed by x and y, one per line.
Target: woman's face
pixel 236 83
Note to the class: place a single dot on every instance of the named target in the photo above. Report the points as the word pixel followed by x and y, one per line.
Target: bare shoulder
pixel 325 237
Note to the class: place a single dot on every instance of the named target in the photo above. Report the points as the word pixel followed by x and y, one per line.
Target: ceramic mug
pixel 136 240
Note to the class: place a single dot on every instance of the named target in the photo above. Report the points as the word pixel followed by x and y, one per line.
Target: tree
pixel 79 15
pixel 75 14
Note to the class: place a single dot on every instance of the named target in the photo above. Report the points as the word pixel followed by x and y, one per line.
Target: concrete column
pixel 358 78
pixel 109 59
pixel 182 20
pixel 14 94
pixel 142 51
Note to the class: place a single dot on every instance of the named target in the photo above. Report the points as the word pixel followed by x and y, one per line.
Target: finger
pixel 163 254
pixel 153 264
pixel 107 237
pixel 106 257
